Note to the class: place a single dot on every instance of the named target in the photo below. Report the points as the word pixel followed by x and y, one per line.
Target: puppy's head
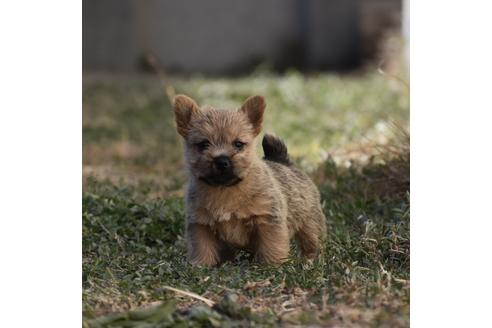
pixel 219 144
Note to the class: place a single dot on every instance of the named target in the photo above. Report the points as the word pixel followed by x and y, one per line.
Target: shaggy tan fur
pixel 236 200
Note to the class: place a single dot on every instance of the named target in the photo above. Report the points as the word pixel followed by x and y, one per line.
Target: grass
pixel 133 208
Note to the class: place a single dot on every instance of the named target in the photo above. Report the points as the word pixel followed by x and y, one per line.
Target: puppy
pixel 236 200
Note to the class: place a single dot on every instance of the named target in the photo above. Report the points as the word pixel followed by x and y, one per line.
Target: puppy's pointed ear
pixel 184 109
pixel 254 107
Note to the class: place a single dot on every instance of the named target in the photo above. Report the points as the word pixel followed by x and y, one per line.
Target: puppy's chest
pixel 224 207
pixel 235 232
pixel 233 219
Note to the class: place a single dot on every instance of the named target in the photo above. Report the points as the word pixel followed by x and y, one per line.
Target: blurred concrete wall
pixel 221 36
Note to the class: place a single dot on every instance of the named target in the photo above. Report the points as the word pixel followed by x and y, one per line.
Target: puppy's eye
pixel 203 145
pixel 239 145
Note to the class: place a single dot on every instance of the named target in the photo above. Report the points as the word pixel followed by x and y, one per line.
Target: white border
pixel 40 170
pixel 451 166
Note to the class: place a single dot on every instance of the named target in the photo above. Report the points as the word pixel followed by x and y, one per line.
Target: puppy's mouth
pixel 224 180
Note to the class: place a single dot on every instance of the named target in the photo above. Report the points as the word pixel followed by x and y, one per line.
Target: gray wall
pixel 221 36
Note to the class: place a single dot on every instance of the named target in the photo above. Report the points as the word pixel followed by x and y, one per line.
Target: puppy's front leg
pixel 203 246
pixel 272 242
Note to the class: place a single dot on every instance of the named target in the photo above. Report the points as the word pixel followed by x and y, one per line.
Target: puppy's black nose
pixel 222 162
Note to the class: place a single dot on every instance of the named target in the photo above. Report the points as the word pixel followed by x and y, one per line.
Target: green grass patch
pixel 133 211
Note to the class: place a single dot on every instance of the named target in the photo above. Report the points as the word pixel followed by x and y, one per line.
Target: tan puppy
pixel 236 199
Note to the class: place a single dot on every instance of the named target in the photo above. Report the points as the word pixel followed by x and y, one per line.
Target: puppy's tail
pixel 275 150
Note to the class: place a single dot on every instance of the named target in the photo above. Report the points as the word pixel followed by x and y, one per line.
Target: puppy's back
pixel 277 158
pixel 300 192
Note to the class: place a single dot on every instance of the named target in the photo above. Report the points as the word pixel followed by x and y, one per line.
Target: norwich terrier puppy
pixel 236 200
